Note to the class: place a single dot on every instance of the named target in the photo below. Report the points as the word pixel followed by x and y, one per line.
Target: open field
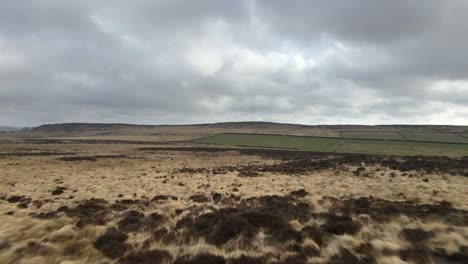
pixel 185 203
pixel 339 145
pixel 409 136
pixel 273 141
pixel 372 135
pixel 439 137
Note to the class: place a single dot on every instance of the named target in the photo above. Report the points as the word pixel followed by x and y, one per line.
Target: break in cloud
pixel 174 61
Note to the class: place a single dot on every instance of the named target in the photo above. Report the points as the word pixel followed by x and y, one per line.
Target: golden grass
pixel 146 174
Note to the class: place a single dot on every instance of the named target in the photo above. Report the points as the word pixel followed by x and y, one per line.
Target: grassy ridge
pixel 339 145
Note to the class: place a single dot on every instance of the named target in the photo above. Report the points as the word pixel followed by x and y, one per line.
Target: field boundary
pixel 337 147
pixel 401 135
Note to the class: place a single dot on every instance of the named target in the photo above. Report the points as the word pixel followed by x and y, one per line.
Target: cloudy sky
pixel 174 61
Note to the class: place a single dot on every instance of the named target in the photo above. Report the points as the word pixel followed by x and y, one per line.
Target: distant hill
pixel 82 127
pixel 9 128
pixel 131 132
pixel 76 127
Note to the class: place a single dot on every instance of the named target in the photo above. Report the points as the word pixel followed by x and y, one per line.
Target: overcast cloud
pixel 174 61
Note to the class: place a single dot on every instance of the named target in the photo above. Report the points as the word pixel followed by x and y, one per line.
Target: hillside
pixel 233 126
pixel 77 127
pixel 9 128
pixel 151 131
pixel 159 133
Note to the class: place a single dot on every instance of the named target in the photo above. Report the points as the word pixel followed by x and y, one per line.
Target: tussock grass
pixel 24 238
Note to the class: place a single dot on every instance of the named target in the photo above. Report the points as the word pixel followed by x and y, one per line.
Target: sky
pixel 181 62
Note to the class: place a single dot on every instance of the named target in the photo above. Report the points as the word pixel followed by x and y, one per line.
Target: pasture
pixel 322 144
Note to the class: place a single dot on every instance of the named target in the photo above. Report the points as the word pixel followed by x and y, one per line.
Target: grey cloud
pixel 205 61
pixel 360 20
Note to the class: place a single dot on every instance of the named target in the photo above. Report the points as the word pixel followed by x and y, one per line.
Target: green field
pixel 409 136
pixel 338 145
pixel 273 141
pixel 438 137
pixel 371 135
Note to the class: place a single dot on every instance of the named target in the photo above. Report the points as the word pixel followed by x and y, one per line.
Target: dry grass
pixel 141 175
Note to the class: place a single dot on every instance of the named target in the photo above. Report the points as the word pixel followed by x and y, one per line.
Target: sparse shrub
pixel 112 243
pixel 416 235
pixel 155 256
